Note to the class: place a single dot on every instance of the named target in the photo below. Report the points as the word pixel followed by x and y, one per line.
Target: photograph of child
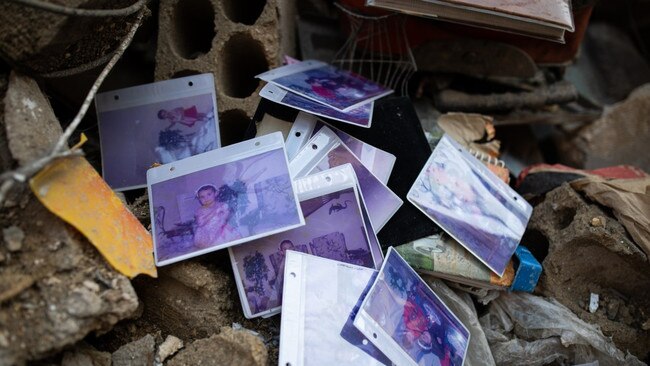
pixel 134 138
pixel 201 211
pixel 325 84
pixel 414 317
pixel 467 206
pixel 334 229
pixel 381 202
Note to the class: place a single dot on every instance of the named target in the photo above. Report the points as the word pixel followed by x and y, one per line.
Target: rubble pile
pixel 423 155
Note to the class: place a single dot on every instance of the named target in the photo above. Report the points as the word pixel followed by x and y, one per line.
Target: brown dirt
pixel 584 259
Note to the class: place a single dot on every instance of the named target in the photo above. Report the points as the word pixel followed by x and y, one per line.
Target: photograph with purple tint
pixel 477 209
pixel 340 89
pixel 381 202
pixel 223 205
pixel 134 138
pixel 378 161
pixel 360 116
pixel 334 229
pixel 414 318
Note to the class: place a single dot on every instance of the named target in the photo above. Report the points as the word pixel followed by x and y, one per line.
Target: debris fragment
pixel 170 346
pixel 13 237
pixel 72 189
pixel 593 302
pixel 136 353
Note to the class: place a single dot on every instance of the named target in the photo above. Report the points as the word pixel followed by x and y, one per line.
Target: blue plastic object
pixel 527 270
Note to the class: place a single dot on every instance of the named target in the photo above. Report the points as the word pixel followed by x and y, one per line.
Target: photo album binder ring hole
pixel 116 97
pixel 328 179
pixel 293 274
pixel 298 134
pixel 190 83
pixel 257 144
pixel 171 168
pixel 314 146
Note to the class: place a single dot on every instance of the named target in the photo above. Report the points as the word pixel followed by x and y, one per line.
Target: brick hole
pixel 232 126
pixel 564 217
pixel 537 243
pixel 243 58
pixel 193 28
pixel 184 73
pixel 245 12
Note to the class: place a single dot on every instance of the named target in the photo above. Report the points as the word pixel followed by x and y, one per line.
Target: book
pixel 443 257
pixel 548 19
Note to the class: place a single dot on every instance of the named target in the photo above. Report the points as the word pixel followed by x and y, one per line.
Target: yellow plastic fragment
pixel 72 190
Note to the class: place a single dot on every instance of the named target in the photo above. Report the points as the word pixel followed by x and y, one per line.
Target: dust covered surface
pixel 584 256
pixel 54 286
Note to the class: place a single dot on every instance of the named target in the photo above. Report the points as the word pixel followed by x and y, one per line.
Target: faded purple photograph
pixel 378 161
pixel 333 87
pixel 334 229
pixel 471 204
pixel 354 336
pixel 360 116
pixel 134 138
pixel 212 208
pixel 414 317
pixel 381 202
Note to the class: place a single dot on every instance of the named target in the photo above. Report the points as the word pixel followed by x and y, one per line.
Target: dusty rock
pixel 616 138
pixel 170 346
pixel 190 300
pixel 31 126
pixel 584 259
pixel 85 355
pixel 230 347
pixel 46 300
pixel 137 353
pixel 13 237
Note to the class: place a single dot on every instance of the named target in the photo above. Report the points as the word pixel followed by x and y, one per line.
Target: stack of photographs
pixel 469 202
pixel 324 90
pixel 336 227
pixel 221 198
pixel 156 123
pixel 326 150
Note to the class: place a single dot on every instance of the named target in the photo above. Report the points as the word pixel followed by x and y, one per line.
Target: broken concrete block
pixel 13 237
pixel 233 40
pixel 52 296
pixel 31 126
pixel 582 259
pixel 170 346
pixel 618 137
pixel 137 353
pixel 230 347
pixel 190 300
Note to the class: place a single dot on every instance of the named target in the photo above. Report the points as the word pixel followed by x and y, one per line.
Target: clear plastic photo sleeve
pixel 221 198
pixel 326 150
pixel 378 161
pixel 361 116
pixel 334 228
pixel 159 123
pixel 325 84
pixel 469 202
pixel 407 321
pixel 319 295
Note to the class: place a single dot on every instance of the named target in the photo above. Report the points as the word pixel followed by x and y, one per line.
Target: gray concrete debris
pixel 31 126
pixel 584 259
pixel 230 347
pixel 85 355
pixel 170 346
pixel 137 353
pixel 48 301
pixel 13 237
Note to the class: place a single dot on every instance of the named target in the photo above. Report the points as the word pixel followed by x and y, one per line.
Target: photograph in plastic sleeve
pixel 221 198
pixel 319 295
pixel 334 229
pixel 326 84
pixel 325 151
pixel 403 317
pixel 155 123
pixel 378 161
pixel 471 204
pixel 361 116
pixel 354 336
